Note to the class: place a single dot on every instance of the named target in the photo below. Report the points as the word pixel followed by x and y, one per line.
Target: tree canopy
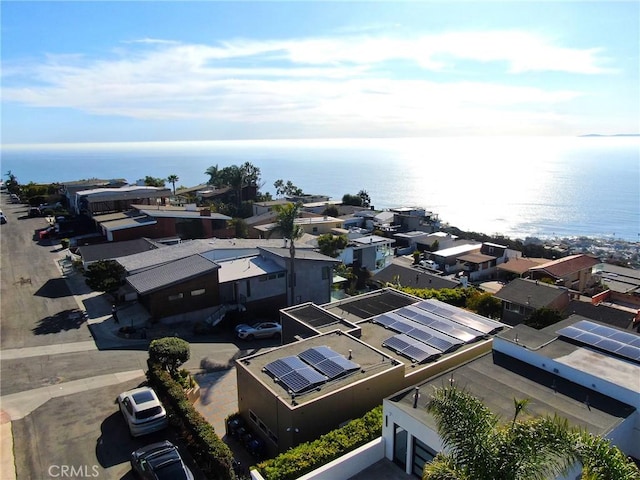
pixel 153 181
pixel 104 276
pixel 331 244
pixel 170 352
pixel 480 446
pixel 286 189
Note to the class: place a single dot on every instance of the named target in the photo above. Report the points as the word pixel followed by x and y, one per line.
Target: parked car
pixel 142 411
pixel 259 330
pixel 160 461
pixel 35 212
pixel 48 232
pixel 3 218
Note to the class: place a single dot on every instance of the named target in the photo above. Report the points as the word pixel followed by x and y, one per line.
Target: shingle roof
pixel 169 274
pixel 567 265
pixel 301 254
pixel 529 292
pixel 412 277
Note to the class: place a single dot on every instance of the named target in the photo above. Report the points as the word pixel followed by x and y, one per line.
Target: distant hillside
pixel 614 135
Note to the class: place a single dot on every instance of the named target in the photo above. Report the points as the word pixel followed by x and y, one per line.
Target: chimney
pixel 205 212
pixel 416 396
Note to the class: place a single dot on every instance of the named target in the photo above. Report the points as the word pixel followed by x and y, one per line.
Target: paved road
pixel 59 378
pixel 37 305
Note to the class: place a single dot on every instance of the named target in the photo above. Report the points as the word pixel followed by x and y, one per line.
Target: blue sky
pixel 204 70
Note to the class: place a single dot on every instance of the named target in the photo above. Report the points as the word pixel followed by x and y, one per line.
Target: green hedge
pixel 212 455
pixel 306 457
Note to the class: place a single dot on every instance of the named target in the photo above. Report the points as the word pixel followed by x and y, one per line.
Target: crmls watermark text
pixel 73 471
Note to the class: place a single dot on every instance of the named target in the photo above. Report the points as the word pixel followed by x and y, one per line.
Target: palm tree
pixel 291 231
pixel 172 179
pixel 480 448
pixel 214 175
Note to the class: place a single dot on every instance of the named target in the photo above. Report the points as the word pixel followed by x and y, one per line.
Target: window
pixel 248 288
pixel 315 230
pixel 195 293
pixel 175 297
pixel 253 416
pixel 326 271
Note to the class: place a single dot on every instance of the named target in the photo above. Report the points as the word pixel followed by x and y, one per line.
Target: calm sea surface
pixel 551 186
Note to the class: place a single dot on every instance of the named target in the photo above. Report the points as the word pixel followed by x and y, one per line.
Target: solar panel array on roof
pixel 411 348
pixel 433 338
pixel 328 362
pixel 375 305
pixel 602 337
pixel 440 324
pixel 296 375
pixel 468 319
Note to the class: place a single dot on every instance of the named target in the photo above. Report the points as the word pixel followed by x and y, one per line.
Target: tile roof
pixel 476 258
pixel 521 265
pixel 567 265
pixel 529 292
pixel 163 276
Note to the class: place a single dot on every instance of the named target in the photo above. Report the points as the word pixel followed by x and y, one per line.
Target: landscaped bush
pixel 308 456
pixel 170 352
pixel 212 455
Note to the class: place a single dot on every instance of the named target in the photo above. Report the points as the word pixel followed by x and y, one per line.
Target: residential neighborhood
pixel 293 336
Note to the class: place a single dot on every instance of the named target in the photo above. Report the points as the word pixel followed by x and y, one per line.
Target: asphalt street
pixel 62 364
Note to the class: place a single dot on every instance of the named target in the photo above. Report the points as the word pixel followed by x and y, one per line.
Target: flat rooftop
pixel 370 362
pixel 497 379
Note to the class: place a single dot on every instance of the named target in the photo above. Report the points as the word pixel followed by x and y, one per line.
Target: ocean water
pixel 518 187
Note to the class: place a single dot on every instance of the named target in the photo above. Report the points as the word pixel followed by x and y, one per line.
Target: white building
pixel 586 383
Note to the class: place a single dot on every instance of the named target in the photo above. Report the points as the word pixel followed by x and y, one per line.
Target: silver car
pixel 259 330
pixel 142 411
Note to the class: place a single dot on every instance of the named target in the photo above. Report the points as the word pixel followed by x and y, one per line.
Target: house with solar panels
pixel 578 369
pixel 339 360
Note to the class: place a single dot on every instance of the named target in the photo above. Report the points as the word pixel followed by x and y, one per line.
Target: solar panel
pixel 328 361
pixel 411 348
pixel 440 324
pixel 629 351
pixel 419 331
pixel 294 374
pixel 468 319
pixel 603 337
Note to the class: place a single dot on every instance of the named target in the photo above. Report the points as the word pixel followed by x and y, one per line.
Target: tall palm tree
pixel 481 448
pixel 291 231
pixel 214 175
pixel 172 179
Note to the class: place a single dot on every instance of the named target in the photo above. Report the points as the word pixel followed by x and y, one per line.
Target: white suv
pixel 142 411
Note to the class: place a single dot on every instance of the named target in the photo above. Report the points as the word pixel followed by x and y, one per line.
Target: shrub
pixel 310 455
pixel 170 352
pixel 211 454
pixel 65 242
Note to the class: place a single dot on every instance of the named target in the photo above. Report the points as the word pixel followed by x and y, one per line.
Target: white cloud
pixel 335 82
